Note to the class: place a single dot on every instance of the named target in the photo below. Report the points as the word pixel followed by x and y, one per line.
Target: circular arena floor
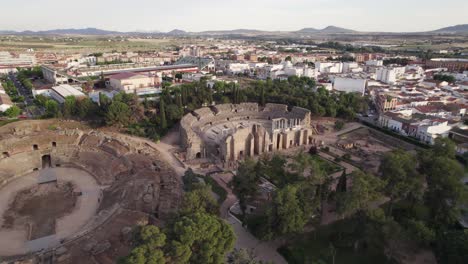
pixel 14 239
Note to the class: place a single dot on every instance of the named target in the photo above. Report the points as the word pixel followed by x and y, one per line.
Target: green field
pixel 328 166
pixel 90 44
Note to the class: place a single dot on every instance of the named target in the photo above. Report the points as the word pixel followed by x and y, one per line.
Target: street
pixel 28 97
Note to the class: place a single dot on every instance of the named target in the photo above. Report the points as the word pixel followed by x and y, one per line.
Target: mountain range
pixel 329 29
pixel 453 29
pixel 458 29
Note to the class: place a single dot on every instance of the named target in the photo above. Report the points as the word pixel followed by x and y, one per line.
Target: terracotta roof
pixel 125 75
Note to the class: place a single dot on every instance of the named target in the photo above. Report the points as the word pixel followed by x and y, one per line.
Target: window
pixel 35 147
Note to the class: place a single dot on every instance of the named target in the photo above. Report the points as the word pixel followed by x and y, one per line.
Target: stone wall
pixel 111 158
pixel 269 128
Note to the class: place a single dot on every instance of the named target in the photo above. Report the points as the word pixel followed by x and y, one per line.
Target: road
pixel 263 250
pixel 27 94
pixel 23 91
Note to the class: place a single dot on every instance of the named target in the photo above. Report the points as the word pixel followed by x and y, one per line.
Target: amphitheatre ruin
pixel 71 194
pixel 227 133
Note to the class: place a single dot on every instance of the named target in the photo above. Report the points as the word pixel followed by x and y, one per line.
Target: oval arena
pixel 65 187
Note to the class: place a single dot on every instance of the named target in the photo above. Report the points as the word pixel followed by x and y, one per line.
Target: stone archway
pixel 46 161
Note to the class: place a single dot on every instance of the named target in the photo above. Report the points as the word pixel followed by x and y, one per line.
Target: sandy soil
pixel 30 208
pixel 13 241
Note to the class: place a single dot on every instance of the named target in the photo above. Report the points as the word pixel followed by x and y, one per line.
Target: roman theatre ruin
pixel 71 194
pixel 230 132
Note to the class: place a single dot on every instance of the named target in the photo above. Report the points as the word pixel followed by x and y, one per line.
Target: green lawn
pixel 216 188
pixel 315 246
pixel 328 166
pixel 4 122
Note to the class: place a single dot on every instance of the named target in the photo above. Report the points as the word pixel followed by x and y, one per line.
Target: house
pixel 423 127
pixel 350 85
pixel 130 82
pixel 429 130
pixel 462 148
pixel 61 92
pixel 329 67
pixel 5 102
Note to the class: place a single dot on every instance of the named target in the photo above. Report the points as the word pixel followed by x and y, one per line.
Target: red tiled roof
pixel 123 75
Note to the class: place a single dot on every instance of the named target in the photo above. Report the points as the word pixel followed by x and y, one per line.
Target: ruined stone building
pixel 132 185
pixel 229 132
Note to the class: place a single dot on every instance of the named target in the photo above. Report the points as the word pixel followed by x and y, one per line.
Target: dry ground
pixel 32 208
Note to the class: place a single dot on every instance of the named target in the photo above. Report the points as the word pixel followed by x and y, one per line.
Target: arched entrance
pixel 46 161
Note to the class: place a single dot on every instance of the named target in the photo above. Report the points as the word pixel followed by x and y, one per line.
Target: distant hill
pixel 69 31
pixel 327 30
pixel 176 32
pixel 333 29
pixel 308 30
pixel 84 31
pixel 233 32
pixel 460 29
pixel 453 29
pixel 7 32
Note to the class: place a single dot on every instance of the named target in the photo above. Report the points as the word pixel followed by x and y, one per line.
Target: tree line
pixel 415 201
pixel 195 235
pixel 153 118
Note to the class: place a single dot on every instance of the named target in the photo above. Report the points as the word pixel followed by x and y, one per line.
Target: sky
pixel 200 15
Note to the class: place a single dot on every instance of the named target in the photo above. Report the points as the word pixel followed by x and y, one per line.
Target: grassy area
pixel 216 188
pixel 92 43
pixel 329 166
pixel 4 122
pixel 315 246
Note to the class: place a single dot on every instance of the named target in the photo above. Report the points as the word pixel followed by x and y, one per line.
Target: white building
pixel 59 93
pixel 5 101
pixel 350 85
pixel 386 75
pixel 430 130
pixel 377 63
pixel 286 69
pixel 311 73
pixel 389 75
pixel 329 67
pixel 351 67
pixel 238 68
pixel 17 60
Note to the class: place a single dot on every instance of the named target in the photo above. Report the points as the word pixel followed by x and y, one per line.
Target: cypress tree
pixel 162 112
pixel 262 95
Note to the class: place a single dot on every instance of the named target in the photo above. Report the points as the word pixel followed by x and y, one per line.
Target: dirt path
pixel 265 251
pixel 165 147
pixel 231 199
pixel 331 137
